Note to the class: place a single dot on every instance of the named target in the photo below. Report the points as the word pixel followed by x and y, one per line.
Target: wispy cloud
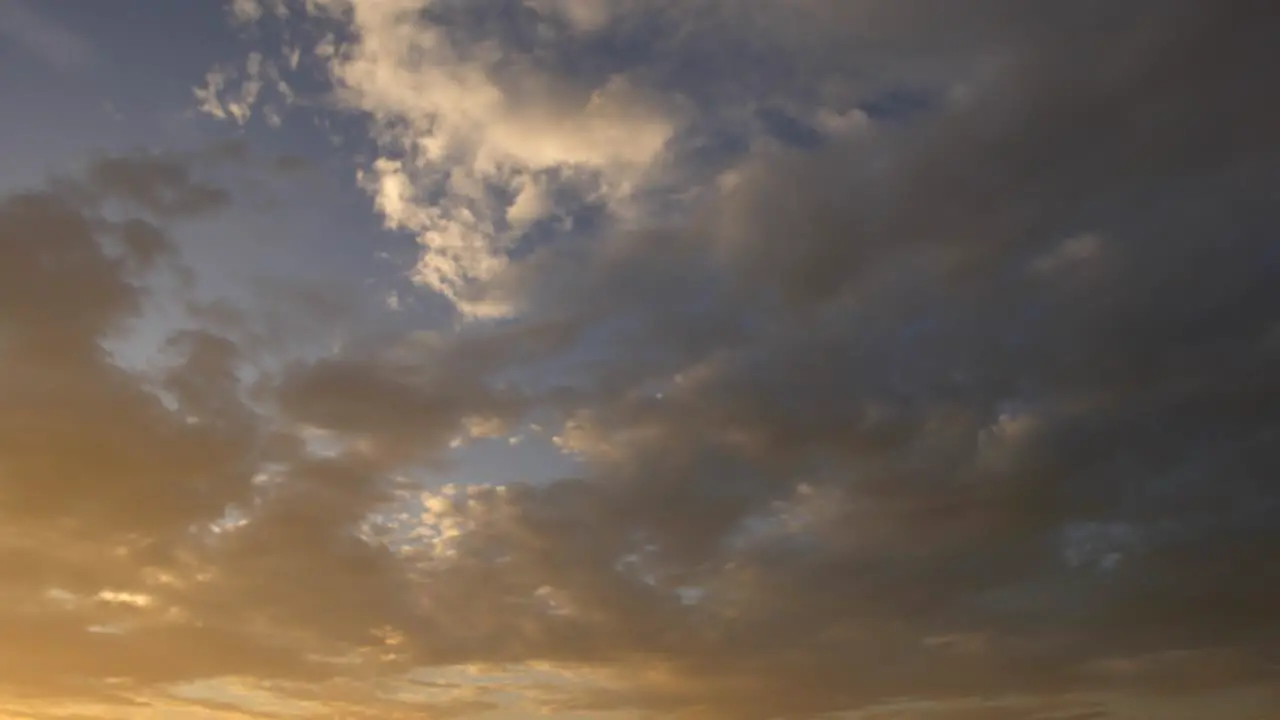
pixel 22 25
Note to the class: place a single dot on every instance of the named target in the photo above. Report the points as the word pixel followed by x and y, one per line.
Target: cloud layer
pixel 916 361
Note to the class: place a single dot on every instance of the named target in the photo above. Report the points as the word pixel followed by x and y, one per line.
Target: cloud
pixel 233 94
pixel 467 130
pixel 42 37
pixel 101 480
pixel 481 143
pixel 181 504
pixel 161 185
pixel 1072 250
pixel 250 11
pixel 399 410
pixel 872 424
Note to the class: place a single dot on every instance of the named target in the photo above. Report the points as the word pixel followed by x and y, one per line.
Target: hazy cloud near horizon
pixel 908 360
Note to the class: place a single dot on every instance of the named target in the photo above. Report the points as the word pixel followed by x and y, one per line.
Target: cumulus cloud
pixel 470 131
pixel 944 388
pixel 480 139
pixel 100 478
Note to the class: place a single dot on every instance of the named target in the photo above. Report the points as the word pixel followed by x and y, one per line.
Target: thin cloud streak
pixel 52 43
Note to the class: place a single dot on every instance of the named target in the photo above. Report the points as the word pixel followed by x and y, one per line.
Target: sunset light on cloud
pixel 640 359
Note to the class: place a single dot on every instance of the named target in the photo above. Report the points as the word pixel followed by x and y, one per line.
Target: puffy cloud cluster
pixel 482 146
pixel 158 509
pixel 967 411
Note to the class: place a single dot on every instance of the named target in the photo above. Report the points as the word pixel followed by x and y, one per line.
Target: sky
pixel 639 360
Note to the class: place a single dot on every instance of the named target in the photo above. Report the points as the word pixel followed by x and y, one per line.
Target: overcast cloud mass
pixel 693 359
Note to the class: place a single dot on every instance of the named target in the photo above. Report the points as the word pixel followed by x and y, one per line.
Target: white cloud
pixel 581 15
pixel 531 203
pixel 489 117
pixel 476 141
pixel 459 121
pixel 233 94
pixel 250 11
pixel 246 11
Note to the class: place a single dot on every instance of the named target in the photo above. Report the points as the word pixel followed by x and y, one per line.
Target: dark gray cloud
pixel 1069 459
pixel 162 185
